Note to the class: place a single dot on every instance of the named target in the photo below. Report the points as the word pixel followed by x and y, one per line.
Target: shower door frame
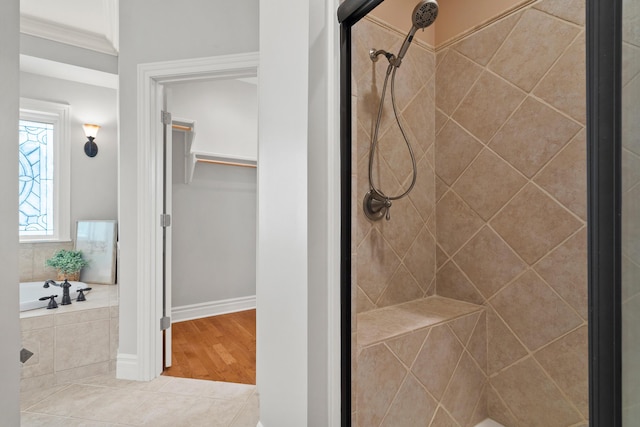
pixel 604 50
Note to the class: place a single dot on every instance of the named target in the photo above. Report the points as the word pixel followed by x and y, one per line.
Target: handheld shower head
pixel 424 14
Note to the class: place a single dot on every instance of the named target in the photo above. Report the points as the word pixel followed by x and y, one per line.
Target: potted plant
pixel 68 263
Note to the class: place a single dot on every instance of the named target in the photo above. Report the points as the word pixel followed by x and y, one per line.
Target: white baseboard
pixel 212 308
pixel 127 366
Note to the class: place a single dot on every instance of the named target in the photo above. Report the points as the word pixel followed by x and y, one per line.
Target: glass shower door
pixel 630 242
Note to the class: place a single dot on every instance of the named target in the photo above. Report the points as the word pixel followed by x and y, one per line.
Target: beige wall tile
pixel 420 259
pixel 534 312
pixel 456 222
pixel 420 117
pixel 455 149
pixel 25 262
pixel 483 44
pixel 503 347
pixel 36 322
pixel 379 377
pixel 451 283
pixel 406 347
pixel 423 195
pixel 530 395
pixel 402 288
pixel 441 257
pixel 440 349
pixel 454 77
pixel 567 362
pixel 630 169
pixel 404 226
pixel 465 390
pixel 497 409
pixel 488 183
pixel 440 121
pixel 464 327
pixel 630 62
pixel 487 106
pixel 630 225
pixel 563 86
pixel 535 43
pixel 376 264
pixel 630 29
pixel 569 10
pixel 363 303
pixel 413 406
pixel 41 343
pixel 72 351
pixel 489 262
pixel 393 148
pixel 565 176
pixel 532 136
pixel 442 419
pixel 368 35
pixel 630 126
pixel 565 269
pixel 533 223
pixel 477 346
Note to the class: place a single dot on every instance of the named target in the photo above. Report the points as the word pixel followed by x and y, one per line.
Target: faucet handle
pixel 81 296
pixel 52 301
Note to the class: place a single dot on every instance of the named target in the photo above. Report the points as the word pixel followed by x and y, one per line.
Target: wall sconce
pixel 91 148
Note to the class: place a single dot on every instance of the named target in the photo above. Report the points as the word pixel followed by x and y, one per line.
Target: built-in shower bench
pixel 422 360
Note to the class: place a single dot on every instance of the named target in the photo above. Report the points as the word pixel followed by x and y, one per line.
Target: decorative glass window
pixel 43 158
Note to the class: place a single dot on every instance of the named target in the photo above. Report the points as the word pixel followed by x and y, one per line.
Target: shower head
pixel 424 14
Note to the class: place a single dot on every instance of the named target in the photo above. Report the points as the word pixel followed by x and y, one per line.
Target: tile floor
pixel 104 401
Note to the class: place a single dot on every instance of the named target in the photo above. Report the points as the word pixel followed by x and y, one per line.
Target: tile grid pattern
pixel 630 215
pixel 511 205
pixel 165 401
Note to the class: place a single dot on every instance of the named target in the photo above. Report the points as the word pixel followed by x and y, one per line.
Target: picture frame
pixel 97 239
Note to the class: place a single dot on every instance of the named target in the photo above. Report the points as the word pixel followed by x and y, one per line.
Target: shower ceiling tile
pixel 456 74
pixel 407 346
pixel 404 226
pixel 564 85
pixel 532 223
pixel 487 106
pixel 401 288
pixel 456 222
pixel 483 44
pixel 441 349
pixel 455 149
pixel 376 264
pixel 488 183
pixel 453 284
pixel 411 407
pixel 569 10
pixel 565 270
pixel 565 176
pixel 423 194
pixel 534 312
pixel 567 362
pixel 420 259
pixel 465 390
pixel 503 347
pixel 532 136
pixel 534 45
pixel 379 377
pixel 478 260
pixel 531 395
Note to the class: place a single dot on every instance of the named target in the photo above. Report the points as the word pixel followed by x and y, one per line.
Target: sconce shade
pixel 90 147
pixel 90 130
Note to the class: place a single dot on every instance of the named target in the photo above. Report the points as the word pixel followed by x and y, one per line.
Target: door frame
pixel 604 65
pixel 151 80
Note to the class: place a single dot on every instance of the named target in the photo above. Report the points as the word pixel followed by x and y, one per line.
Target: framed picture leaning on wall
pixel 97 240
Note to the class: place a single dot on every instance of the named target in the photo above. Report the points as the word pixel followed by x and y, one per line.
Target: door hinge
pixel 165 323
pixel 165 220
pixel 165 117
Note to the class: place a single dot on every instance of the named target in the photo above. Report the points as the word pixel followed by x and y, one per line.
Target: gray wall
pixel 9 316
pixel 213 231
pixel 152 31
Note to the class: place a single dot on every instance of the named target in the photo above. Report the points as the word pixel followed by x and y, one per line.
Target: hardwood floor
pixel 218 348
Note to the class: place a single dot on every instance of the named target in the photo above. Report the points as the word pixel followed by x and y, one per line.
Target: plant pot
pixel 72 277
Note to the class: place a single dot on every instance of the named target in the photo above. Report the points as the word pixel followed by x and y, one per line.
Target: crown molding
pixel 68 35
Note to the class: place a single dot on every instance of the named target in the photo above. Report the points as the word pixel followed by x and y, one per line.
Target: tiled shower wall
pixel 510 162
pixel 630 215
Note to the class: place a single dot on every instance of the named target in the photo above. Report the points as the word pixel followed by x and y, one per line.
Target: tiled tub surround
pixel 498 217
pixel 71 342
pixel 422 363
pixel 33 257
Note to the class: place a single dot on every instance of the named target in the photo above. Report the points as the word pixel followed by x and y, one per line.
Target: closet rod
pixel 180 127
pixel 221 162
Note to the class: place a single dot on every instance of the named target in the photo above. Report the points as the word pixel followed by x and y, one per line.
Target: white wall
pixel 226 112
pixel 213 230
pixel 9 315
pixel 152 31
pixel 93 180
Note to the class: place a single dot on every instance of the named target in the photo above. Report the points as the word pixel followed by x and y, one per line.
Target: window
pixel 43 158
